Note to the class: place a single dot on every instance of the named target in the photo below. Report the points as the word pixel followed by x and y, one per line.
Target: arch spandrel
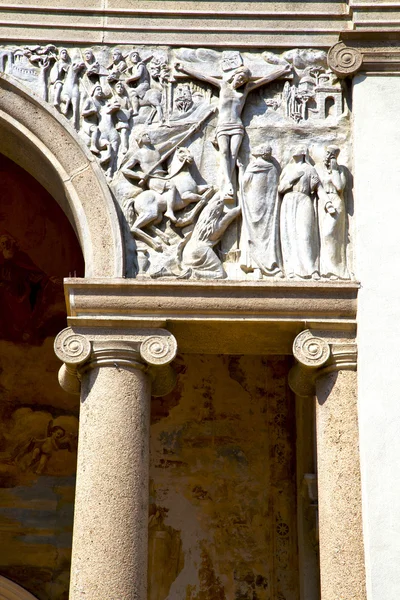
pixel 44 144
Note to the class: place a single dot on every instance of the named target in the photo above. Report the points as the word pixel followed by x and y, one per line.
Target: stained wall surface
pixel 222 522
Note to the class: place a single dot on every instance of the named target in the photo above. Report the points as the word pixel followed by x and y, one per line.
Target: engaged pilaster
pixel 326 368
pixel 116 374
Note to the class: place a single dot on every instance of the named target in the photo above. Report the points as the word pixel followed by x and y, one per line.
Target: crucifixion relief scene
pixel 224 164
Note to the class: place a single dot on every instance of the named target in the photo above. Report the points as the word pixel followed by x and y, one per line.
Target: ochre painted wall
pixel 223 495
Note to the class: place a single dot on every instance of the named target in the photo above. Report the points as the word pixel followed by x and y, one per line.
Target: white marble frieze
pixel 225 164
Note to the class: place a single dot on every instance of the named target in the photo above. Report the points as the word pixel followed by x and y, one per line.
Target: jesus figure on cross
pixel 232 98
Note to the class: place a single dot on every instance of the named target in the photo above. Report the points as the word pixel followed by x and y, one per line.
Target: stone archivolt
pixel 224 164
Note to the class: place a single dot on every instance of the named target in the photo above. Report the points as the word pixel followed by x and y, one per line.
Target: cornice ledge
pixel 369 51
pixel 149 350
pixel 223 317
pixel 316 356
pixel 132 299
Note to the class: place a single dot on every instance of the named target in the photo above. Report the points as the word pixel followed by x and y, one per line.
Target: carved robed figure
pixel 332 217
pixel 259 240
pixel 299 229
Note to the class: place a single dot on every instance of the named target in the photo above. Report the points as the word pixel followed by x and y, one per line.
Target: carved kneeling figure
pixel 198 257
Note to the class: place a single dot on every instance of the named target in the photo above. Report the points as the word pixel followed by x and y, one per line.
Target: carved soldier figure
pixel 117 67
pixel 124 115
pixel 230 130
pixel 183 98
pixel 149 160
pixel 259 240
pixel 332 217
pixel 58 73
pixel 299 229
pixel 91 64
pixel 99 126
pixel 139 76
pixel 64 76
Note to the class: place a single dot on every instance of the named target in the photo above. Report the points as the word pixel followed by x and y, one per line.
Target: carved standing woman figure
pixel 259 240
pixel 299 228
pixel 332 218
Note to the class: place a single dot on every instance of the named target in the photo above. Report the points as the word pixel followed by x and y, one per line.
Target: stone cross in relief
pixel 232 98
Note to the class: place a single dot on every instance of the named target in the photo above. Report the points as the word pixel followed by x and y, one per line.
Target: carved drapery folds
pixel 224 164
pixel 147 350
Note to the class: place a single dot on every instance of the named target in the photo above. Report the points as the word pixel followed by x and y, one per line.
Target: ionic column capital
pixel 317 355
pixel 150 350
pixel 344 60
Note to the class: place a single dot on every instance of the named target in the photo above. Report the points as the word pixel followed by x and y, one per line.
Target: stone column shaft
pixel 110 538
pixel 328 371
pixel 339 488
pixel 109 557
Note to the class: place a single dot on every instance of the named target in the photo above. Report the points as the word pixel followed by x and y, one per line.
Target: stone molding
pixel 318 355
pixel 150 350
pixel 259 25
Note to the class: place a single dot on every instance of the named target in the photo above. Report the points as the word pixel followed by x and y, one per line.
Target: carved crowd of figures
pixel 293 223
pixel 140 113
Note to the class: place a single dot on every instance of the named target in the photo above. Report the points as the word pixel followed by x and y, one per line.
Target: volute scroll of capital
pixel 224 164
pixel 72 348
pixel 157 350
pixel 343 60
pixel 311 351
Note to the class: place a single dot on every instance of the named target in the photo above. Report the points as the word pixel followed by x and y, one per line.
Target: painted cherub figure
pixel 42 449
pixel 233 92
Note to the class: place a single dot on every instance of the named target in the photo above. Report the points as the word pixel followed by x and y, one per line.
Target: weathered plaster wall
pixel 223 505
pixel 38 421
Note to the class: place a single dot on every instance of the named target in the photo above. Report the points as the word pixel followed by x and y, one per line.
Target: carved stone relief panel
pixel 225 164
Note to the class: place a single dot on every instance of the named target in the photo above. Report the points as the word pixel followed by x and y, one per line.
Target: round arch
pixel 35 136
pixel 11 591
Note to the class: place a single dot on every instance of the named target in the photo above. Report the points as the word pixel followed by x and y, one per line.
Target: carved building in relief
pixel 174 131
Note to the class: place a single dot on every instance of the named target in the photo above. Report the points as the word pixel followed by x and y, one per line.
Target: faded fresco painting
pixel 222 522
pixel 38 421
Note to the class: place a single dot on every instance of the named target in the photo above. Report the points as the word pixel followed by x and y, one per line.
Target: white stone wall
pixel 377 206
